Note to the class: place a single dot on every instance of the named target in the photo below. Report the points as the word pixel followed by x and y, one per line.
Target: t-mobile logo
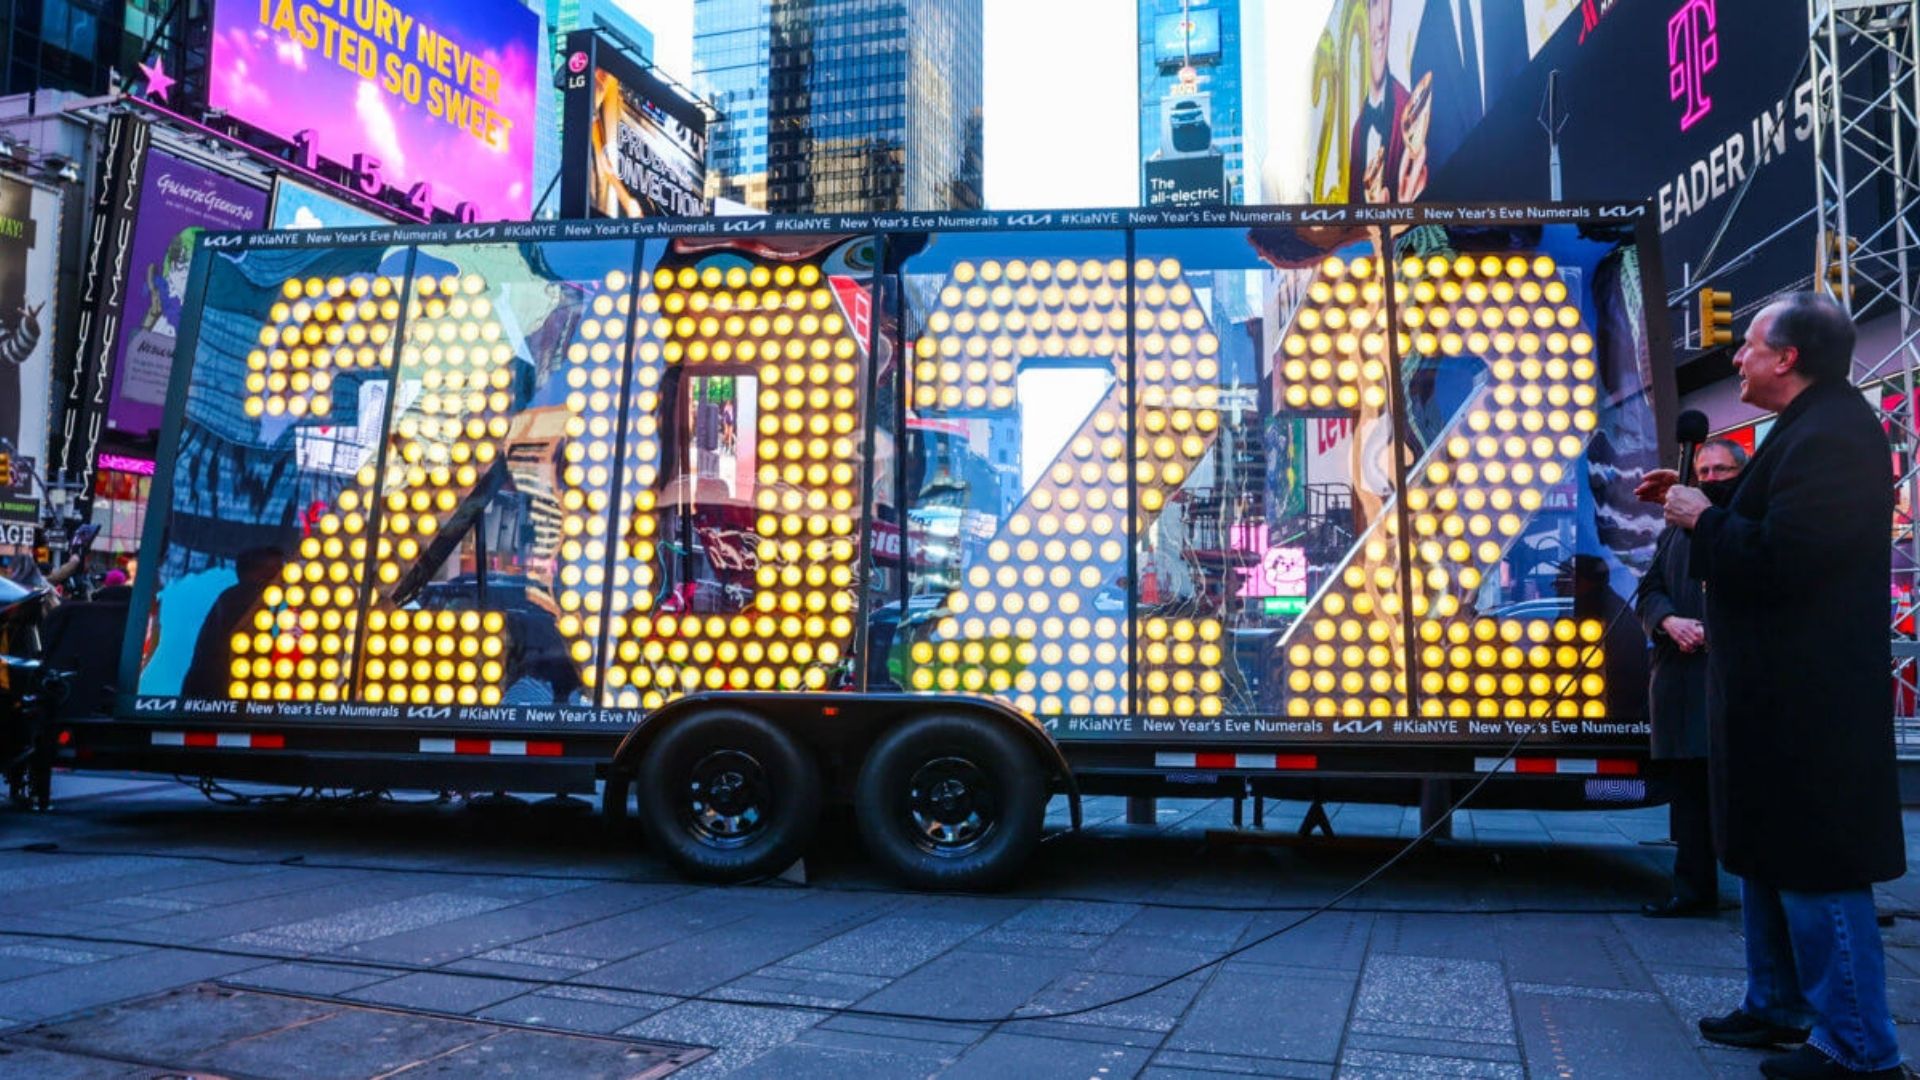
pixel 1693 49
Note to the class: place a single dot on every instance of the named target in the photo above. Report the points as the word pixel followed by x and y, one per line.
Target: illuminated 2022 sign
pixel 435 97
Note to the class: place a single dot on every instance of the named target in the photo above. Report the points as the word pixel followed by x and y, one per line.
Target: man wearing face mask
pixel 1806 811
pixel 1668 603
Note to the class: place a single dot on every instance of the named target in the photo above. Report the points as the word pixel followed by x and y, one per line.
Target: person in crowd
pixel 1668 602
pixel 1806 809
pixel 209 673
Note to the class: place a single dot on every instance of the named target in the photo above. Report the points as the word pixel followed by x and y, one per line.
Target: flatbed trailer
pixel 935 514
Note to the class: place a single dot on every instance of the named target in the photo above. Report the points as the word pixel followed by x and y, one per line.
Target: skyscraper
pixel 1191 142
pixel 858 105
pixel 730 47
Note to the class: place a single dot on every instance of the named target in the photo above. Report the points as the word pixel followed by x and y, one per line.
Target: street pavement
pixel 145 931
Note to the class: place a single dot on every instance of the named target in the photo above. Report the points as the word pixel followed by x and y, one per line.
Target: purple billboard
pixel 433 97
pixel 178 201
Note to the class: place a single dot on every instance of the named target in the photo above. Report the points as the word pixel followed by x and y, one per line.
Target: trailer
pixel 939 515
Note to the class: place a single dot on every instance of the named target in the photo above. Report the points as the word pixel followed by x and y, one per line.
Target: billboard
pixel 438 96
pixel 1186 181
pixel 1397 87
pixel 634 147
pixel 29 259
pixel 1190 38
pixel 1702 107
pixel 178 200
pixel 296 206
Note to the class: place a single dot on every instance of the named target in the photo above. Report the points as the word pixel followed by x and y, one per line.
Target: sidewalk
pixel 527 937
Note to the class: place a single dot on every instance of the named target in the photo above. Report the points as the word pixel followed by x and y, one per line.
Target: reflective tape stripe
pixel 219 740
pixel 1536 766
pixel 491 747
pixel 1166 760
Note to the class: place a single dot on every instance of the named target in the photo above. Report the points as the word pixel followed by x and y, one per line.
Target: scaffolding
pixel 1865 62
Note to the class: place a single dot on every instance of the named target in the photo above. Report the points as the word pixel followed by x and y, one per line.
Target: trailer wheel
pixel 950 802
pixel 727 796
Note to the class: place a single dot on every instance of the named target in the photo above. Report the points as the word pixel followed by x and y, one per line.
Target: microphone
pixel 1689 430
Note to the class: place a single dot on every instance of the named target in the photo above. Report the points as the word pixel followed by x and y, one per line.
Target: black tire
pixel 765 809
pixel 951 802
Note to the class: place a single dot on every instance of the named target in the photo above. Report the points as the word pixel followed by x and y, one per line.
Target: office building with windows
pixel 843 105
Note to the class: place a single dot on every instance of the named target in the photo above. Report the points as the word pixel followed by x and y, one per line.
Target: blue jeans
pixel 1814 960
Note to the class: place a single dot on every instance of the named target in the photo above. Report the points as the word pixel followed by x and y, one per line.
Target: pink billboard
pixel 438 92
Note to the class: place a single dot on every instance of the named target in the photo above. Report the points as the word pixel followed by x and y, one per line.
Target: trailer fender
pixel 835 720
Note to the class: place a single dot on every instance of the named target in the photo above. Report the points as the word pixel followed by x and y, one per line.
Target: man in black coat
pixel 1670 607
pixel 1806 806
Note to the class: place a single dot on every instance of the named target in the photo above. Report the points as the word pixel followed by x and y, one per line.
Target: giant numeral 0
pixel 1020 625
pixel 1467 501
pixel 783 326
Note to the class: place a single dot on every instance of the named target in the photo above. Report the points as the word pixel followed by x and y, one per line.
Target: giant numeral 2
pixel 1468 499
pixel 1021 625
pixel 443 441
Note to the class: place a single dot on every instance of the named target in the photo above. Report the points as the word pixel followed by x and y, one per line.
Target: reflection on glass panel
pixel 889 555
pixel 1018 471
pixel 259 584
pixel 489 553
pixel 738 512
pixel 1524 534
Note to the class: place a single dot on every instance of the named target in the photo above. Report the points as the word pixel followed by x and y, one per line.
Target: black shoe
pixel 1742 1028
pixel 1807 1063
pixel 1675 907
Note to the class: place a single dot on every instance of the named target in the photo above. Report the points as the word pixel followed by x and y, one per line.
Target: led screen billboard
pixel 1194 37
pixel 634 147
pixel 29 256
pixel 438 92
pixel 179 199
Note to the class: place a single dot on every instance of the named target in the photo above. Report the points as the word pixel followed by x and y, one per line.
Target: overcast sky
pixel 1062 94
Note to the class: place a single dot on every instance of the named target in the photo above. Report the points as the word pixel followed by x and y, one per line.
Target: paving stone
pixel 1172 1062
pixel 675 915
pixel 893 945
pixel 969 983
pixel 441 993
pixel 1706 943
pixel 355 892
pixel 739 1033
pixel 551 1010
pixel 1158 1010
pixel 801 986
pixel 328 933
pixel 1402 994
pixel 1336 939
pixel 525 1053
pixel 1465 937
pixel 54 1065
pixel 1569 950
pixel 1692 996
pixel 83 986
pixel 1297 1016
pixel 801 1060
pixel 696 964
pixel 296 978
pixel 1379 1065
pixel 1004 1054
pixel 1603 1039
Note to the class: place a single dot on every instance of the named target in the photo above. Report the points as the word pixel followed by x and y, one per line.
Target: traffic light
pixel 1716 318
pixel 1840 283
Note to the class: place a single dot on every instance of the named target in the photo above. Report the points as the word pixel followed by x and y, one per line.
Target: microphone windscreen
pixel 1691 427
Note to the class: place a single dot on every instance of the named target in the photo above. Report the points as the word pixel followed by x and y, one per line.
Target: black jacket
pixel 1677 687
pixel 1800 695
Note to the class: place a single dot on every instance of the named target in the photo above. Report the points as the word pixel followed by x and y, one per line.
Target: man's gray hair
pixel 1819 328
pixel 1733 449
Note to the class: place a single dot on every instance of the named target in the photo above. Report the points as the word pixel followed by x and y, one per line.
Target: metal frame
pixel 1865 61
